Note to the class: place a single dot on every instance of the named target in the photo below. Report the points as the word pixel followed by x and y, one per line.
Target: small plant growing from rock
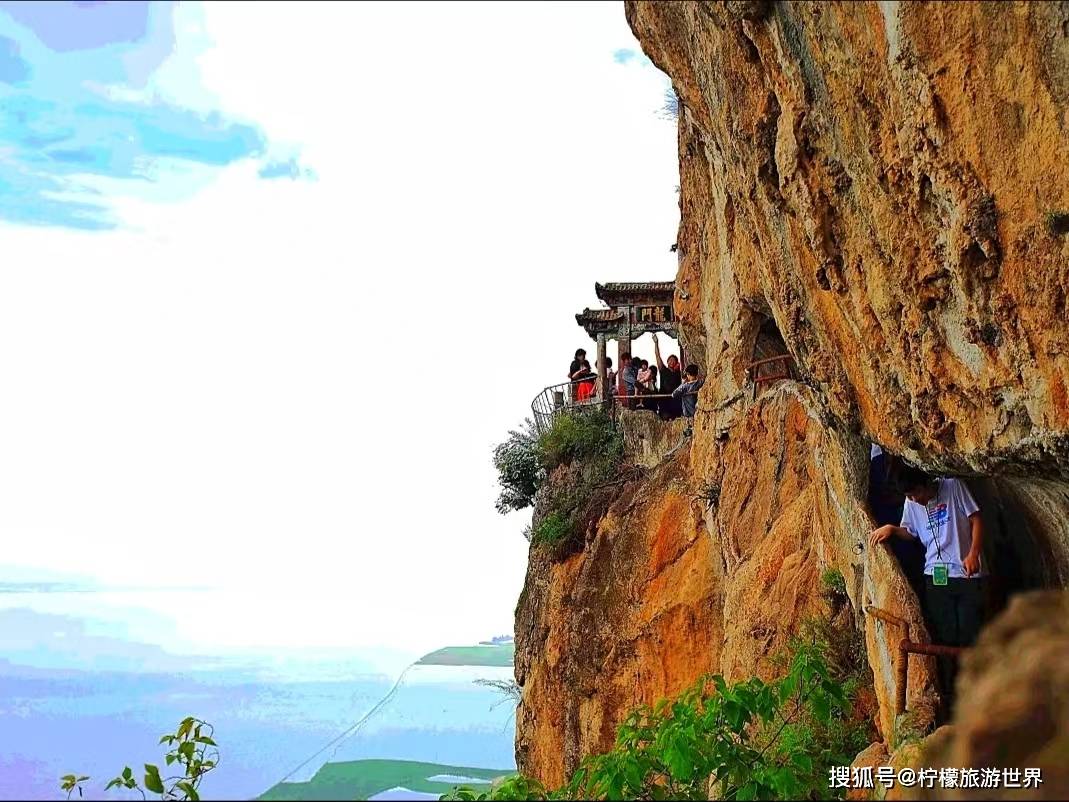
pixel 551 530
pixel 833 583
pixel 710 494
pixel 672 104
pixel 508 688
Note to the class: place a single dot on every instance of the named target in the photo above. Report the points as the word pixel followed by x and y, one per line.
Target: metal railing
pixel 558 399
pixel 906 647
pixel 563 398
pixel 778 367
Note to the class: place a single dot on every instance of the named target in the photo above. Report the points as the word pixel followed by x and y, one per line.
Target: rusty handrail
pixel 906 647
pixel 558 398
pixel 778 358
pixel 933 649
pixel 753 370
pixel 901 655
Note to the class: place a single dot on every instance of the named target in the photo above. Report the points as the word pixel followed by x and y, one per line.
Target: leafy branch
pixel 192 749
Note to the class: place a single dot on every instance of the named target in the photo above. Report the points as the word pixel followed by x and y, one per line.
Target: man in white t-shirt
pixel 942 514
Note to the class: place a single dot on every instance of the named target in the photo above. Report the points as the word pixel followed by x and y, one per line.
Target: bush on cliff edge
pixel 586 443
pixel 581 452
pixel 519 469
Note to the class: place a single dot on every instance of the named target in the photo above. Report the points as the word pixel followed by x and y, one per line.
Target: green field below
pixel 361 779
pixel 471 656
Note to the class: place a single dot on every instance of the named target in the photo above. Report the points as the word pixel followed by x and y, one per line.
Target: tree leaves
pixel 152 779
pixel 197 753
pixel 519 469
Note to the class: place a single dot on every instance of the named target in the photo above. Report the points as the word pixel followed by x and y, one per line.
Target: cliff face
pixel 890 183
pixel 887 186
pixel 635 615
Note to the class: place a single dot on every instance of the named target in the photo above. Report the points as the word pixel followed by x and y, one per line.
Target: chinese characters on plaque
pixel 661 313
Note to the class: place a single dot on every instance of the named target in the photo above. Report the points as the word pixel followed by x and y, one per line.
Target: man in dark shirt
pixel 687 393
pixel 671 378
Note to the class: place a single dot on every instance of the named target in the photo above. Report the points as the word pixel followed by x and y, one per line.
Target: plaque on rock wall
pixel 661 313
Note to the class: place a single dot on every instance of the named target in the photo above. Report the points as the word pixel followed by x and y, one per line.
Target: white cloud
pixel 297 385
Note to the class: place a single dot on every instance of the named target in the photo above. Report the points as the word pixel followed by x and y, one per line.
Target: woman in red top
pixel 584 391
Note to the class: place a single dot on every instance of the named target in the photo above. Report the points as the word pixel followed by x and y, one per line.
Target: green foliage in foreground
pixel 192 752
pixel 748 740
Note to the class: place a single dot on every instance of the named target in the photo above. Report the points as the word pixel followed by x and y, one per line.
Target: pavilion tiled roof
pixel 614 289
pixel 598 316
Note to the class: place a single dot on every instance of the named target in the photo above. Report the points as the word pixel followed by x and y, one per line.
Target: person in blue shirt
pixel 687 393
pixel 629 368
pixel 941 513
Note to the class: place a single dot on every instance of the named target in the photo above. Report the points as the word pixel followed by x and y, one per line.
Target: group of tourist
pixel 662 388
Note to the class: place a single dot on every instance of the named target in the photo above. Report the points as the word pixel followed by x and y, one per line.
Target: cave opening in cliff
pixel 770 361
pixel 1019 551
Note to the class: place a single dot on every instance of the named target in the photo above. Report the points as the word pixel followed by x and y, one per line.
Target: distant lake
pixel 85 691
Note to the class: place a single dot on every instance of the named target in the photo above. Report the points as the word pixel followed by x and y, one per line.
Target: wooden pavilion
pixel 633 308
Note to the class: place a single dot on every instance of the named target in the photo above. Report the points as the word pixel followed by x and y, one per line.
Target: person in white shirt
pixel 942 514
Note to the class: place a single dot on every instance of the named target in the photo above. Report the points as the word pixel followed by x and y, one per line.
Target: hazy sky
pixel 275 279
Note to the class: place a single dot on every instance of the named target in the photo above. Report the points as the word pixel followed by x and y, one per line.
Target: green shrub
pixel 519 468
pixel 833 582
pixel 525 458
pixel 587 441
pixel 588 436
pixel 748 740
pixel 552 529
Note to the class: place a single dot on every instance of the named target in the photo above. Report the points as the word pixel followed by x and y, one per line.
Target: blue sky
pixel 209 358
pixel 78 103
